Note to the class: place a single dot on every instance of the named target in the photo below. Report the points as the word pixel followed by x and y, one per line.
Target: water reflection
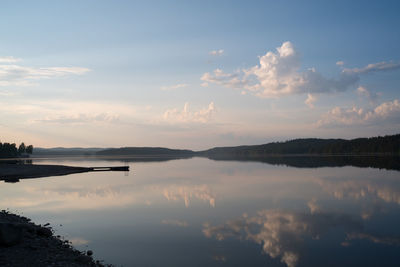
pixel 187 193
pixel 302 161
pixel 76 194
pixel 283 234
pixel 175 223
pixel 387 190
pixel 155 216
pixel 78 241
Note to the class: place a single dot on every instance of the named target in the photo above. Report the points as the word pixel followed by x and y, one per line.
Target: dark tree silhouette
pixel 21 148
pixel 29 149
pixel 8 150
pixel 375 145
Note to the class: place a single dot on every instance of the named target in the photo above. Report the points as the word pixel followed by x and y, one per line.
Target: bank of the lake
pixel 23 243
pixel 14 172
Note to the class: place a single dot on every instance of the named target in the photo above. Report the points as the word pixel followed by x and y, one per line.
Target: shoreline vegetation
pixel 10 150
pixel 381 145
pixel 376 152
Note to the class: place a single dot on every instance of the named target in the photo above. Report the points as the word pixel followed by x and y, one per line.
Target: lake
pixel 201 212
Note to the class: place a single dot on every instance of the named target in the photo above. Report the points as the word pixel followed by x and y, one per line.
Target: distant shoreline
pixel 13 172
pixel 381 145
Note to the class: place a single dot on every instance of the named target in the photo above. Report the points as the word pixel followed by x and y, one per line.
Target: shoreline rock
pixel 23 243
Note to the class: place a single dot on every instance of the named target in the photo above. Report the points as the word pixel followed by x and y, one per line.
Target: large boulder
pixel 43 231
pixel 10 234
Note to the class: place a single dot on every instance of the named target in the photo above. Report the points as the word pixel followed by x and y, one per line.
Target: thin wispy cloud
pixel 81 118
pixel 364 92
pixel 66 113
pixel 218 52
pixel 18 75
pixel 9 60
pixel 174 87
pixel 6 93
pixel 374 67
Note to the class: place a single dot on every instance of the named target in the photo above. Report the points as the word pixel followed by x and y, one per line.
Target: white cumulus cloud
pixel 186 116
pixel 231 80
pixel 278 73
pixel 385 112
pixel 310 100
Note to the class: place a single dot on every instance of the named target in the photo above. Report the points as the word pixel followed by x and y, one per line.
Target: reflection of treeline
pixel 160 152
pixel 374 145
pixel 10 150
pixel 380 162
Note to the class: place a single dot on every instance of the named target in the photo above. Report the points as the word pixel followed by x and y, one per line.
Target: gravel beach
pixel 23 243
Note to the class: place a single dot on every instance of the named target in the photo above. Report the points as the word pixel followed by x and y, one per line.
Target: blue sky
pixel 197 74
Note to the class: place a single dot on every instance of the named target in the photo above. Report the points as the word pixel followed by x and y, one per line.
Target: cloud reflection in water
pixel 282 233
pixel 187 193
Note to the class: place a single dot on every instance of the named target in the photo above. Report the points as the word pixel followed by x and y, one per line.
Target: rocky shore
pixel 23 243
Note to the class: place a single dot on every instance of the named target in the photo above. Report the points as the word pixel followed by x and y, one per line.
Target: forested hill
pixel 375 145
pixel 146 151
pixel 386 145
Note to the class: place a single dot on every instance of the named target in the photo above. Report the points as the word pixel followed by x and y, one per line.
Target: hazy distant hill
pixel 61 151
pixel 389 145
pixel 375 145
pixel 146 151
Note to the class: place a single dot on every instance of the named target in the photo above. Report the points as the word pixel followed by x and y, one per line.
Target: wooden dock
pixel 113 168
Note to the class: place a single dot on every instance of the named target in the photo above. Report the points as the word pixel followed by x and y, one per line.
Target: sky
pixel 197 74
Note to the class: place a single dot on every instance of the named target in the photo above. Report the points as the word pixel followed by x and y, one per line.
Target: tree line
pixel 389 144
pixel 10 150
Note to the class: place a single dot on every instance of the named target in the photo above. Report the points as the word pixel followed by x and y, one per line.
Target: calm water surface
pixel 199 212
